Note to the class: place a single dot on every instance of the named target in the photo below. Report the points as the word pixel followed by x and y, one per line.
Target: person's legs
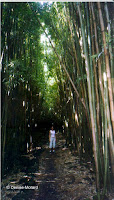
pixel 50 145
pixel 53 144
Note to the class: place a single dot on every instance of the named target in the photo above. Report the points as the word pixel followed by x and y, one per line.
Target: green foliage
pixel 94 56
pixel 24 60
pixel 33 73
pixel 16 74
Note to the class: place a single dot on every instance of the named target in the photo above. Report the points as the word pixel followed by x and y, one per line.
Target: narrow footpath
pixel 53 176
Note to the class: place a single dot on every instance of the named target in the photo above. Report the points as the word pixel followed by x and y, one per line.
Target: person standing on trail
pixel 52 139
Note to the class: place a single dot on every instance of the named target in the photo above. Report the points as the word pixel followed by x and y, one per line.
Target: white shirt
pixel 52 132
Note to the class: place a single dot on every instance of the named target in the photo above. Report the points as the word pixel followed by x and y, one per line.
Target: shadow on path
pixel 55 176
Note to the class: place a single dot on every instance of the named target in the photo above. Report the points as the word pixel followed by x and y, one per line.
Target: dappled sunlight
pixel 51 81
pixel 57 70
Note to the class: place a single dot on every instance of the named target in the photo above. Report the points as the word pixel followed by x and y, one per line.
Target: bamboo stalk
pixel 97 50
pixel 97 97
pixel 109 32
pixel 74 87
pixel 96 84
pixel 4 123
pixel 107 66
pixel 95 147
pixel 102 93
pixel 91 66
pixel 77 62
pixel 106 143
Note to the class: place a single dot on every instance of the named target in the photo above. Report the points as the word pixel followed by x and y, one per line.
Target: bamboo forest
pixel 57 76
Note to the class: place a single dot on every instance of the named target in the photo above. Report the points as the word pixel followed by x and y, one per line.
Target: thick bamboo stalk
pixel 91 65
pixel 95 147
pixel 111 146
pixel 96 85
pixel 84 87
pixel 106 141
pixel 109 35
pixel 102 92
pixel 107 66
pixel 97 50
pixel 84 95
pixel 97 95
pixel 1 59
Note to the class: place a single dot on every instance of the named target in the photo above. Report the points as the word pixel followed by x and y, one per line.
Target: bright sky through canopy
pixel 42 2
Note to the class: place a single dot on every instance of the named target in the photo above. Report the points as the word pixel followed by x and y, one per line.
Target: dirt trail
pixel 63 177
pixel 58 177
